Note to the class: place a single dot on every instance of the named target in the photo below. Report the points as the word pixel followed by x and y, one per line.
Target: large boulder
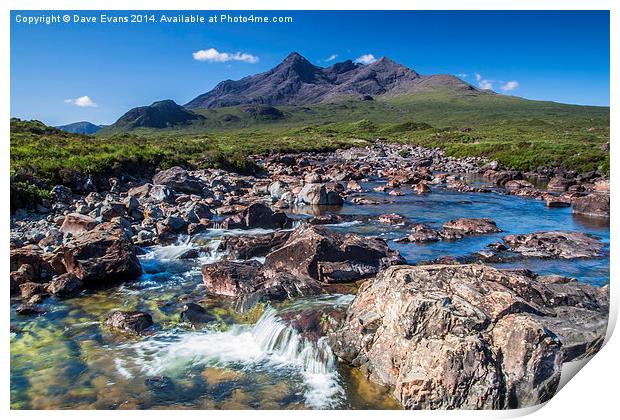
pixel 102 256
pixel 469 336
pixel 258 215
pixel 596 205
pixel 330 257
pixel 248 283
pixel 179 180
pixel 555 245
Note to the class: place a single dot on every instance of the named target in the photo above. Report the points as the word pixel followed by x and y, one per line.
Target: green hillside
pixel 519 133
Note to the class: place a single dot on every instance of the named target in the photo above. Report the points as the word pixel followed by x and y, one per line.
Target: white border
pixel 593 394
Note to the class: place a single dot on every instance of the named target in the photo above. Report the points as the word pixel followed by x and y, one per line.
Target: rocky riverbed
pixel 331 280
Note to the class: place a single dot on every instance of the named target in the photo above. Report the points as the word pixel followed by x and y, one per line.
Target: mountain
pixel 161 114
pixel 82 127
pixel 296 81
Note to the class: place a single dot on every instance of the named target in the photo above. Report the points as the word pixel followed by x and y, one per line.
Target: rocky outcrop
pixel 469 336
pixel 555 245
pixel 596 205
pixel 101 256
pixel 329 257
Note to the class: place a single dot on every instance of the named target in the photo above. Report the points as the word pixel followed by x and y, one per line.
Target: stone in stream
pixel 596 205
pixel 498 337
pixel 518 184
pixel 230 278
pixel 249 284
pixel 30 289
pixel 554 201
pixel 559 184
pixel 159 384
pixel 555 245
pixel 129 321
pixel 30 263
pixel 101 256
pixel 316 194
pixel 27 309
pixel 179 180
pixel 258 215
pixel 196 314
pixel 502 177
pixel 65 285
pixel 392 219
pixel 421 188
pixel 313 252
pixel 472 226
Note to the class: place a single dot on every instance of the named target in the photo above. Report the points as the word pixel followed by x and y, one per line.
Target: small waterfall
pixel 171 252
pixel 284 343
pixel 266 345
pixel 217 226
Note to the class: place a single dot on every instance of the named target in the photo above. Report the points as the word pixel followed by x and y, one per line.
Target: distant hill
pixel 82 127
pixel 296 81
pixel 161 114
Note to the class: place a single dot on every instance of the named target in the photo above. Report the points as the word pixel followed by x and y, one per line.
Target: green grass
pixel 519 133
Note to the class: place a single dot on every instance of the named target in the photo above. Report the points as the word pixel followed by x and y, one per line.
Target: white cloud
pixel 511 85
pixel 365 59
pixel 484 83
pixel 462 75
pixel 331 57
pixel 82 101
pixel 214 56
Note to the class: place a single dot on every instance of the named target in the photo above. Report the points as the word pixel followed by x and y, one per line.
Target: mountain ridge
pixel 296 81
pixel 81 127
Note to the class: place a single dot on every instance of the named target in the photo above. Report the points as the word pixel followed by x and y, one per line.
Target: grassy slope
pixel 520 133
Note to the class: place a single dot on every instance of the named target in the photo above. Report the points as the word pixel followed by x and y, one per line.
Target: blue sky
pixel 61 73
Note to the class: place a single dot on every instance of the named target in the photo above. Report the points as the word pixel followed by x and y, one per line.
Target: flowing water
pixel 66 358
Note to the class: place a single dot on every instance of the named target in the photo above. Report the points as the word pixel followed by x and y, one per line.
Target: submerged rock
pixel 495 336
pixel 134 322
pixel 196 314
pixel 555 245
